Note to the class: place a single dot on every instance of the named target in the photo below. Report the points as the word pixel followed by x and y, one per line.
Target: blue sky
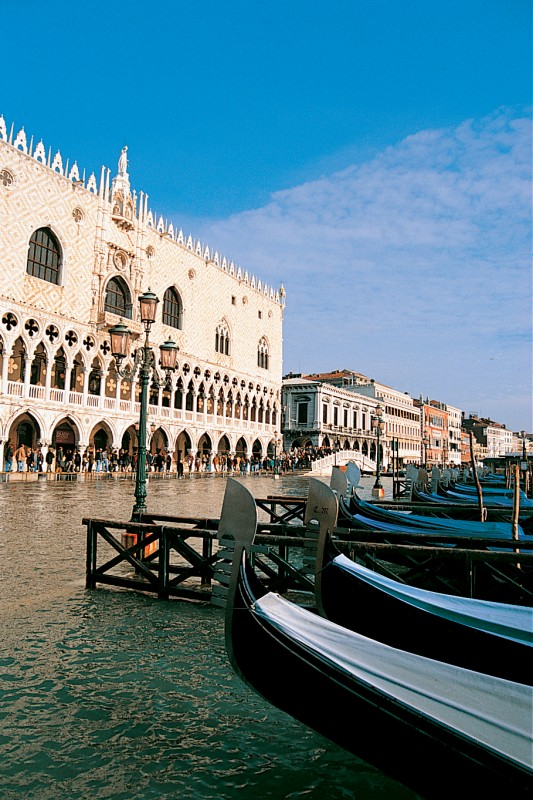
pixel 372 156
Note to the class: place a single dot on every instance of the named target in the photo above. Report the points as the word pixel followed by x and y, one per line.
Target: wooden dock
pixel 182 557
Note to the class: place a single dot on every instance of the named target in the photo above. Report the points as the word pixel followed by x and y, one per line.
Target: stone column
pixel 68 372
pixel 85 389
pixel 102 389
pixel 5 371
pixel 47 378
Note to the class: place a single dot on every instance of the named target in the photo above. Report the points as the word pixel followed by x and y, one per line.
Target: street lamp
pixel 425 443
pixel 145 364
pixel 378 423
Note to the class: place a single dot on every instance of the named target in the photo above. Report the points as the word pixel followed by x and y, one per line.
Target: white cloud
pixel 416 265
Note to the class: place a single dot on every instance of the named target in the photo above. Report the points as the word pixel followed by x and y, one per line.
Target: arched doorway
pixel 101 436
pixel 25 430
pixel 241 448
pixel 183 446
pixel 205 445
pixel 223 446
pixel 158 442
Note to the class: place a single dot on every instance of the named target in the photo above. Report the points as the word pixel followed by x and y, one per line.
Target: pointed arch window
pixel 44 256
pixel 172 309
pixel 262 354
pixel 222 339
pixel 117 298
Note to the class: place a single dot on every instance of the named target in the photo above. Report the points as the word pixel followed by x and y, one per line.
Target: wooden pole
pixel 516 500
pixel 482 511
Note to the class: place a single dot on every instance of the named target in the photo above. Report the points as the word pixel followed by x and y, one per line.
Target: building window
pixel 44 256
pixel 262 354
pixel 172 309
pixel 222 340
pixel 324 414
pixel 117 298
pixel 303 413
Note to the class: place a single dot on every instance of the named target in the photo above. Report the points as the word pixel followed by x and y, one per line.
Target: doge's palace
pixel 77 251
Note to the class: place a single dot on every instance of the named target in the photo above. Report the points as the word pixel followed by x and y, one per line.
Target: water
pixel 112 694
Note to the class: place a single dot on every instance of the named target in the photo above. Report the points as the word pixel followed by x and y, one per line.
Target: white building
pixel 319 414
pixel 402 420
pixel 455 419
pixel 77 251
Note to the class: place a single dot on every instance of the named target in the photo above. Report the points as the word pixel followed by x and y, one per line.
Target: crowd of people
pixel 97 459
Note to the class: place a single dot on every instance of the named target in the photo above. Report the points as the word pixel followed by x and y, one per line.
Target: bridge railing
pixel 341 458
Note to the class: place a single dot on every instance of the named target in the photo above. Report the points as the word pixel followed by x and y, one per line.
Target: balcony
pixel 64 399
pixel 106 320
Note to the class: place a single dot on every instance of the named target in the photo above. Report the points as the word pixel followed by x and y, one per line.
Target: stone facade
pixel 319 414
pixel 58 380
pixel 352 423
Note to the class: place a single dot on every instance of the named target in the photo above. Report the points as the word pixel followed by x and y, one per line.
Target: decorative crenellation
pixel 140 211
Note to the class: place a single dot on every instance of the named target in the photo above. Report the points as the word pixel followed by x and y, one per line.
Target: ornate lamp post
pixel 425 442
pixel 144 362
pixel 378 423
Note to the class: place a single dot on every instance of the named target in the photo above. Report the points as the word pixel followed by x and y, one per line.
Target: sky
pixel 372 156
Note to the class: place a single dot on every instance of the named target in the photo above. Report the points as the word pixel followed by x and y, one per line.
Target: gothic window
pixel 117 298
pixel 222 339
pixel 262 354
pixel 172 309
pixel 44 256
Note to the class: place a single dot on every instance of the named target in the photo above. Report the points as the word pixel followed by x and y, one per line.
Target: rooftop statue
pixel 123 161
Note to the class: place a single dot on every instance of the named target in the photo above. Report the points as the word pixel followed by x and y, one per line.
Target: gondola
pixel 436 727
pixel 419 549
pixel 358 513
pixel 495 638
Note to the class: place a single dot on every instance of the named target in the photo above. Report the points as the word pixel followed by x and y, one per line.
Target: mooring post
pixel 164 551
pixel 90 565
pixel 207 552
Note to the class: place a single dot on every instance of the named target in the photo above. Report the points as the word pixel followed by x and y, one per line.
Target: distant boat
pixel 436 727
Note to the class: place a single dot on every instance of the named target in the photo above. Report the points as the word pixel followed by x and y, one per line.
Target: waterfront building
pixel 492 436
pixel 402 420
pixel 401 416
pixel 455 420
pixel 434 432
pixel 77 250
pixel 317 413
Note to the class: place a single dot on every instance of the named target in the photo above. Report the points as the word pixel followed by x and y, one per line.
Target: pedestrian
pixel 30 460
pixel 60 460
pixel 98 459
pixel 77 461
pixel 8 453
pixel 49 459
pixel 168 462
pixel 20 457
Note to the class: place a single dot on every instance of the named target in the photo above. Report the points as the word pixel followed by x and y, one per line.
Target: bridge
pixel 340 459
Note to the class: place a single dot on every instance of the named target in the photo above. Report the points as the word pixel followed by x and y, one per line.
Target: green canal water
pixel 112 694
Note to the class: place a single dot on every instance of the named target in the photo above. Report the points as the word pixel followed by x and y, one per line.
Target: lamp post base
pixel 378 491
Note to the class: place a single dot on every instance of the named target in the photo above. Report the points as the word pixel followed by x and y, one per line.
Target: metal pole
pixel 140 479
